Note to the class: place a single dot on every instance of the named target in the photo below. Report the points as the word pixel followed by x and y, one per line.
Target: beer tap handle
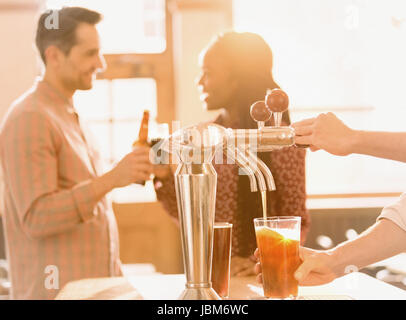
pixel 260 113
pixel 277 101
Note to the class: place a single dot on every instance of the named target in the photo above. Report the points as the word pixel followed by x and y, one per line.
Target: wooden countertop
pixel 168 287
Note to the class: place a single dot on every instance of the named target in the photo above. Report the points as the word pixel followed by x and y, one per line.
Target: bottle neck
pixel 143 133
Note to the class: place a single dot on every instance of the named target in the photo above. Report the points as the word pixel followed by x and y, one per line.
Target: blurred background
pixel 344 56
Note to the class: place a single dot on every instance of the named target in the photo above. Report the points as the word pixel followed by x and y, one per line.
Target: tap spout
pixel 266 172
pixel 236 155
pixel 255 164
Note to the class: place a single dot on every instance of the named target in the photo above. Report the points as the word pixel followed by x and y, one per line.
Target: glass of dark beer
pixel 220 273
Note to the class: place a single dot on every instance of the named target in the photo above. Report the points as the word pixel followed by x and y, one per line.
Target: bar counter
pixel 354 285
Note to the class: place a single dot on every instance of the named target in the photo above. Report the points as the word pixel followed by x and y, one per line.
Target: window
pixel 144 20
pixel 139 75
pixel 341 56
pixel 113 109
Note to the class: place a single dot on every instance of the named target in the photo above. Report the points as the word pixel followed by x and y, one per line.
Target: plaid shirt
pixel 56 229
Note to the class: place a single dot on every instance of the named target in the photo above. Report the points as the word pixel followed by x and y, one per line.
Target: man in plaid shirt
pixel 59 226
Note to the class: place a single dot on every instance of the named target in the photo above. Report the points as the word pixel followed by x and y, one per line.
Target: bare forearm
pixel 381 241
pixel 387 145
pixel 329 133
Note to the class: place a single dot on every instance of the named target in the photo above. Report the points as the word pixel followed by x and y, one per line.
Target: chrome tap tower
pixel 196 196
pixel 196 182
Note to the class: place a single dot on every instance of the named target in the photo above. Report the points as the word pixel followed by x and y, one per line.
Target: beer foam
pixel 291 234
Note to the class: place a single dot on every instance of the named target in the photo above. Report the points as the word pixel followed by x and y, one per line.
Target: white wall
pixel 18 61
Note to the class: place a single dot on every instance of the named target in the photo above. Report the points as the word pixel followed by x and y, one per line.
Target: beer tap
pixel 196 180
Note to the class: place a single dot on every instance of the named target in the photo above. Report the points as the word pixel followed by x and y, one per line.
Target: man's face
pixel 78 68
pixel 215 82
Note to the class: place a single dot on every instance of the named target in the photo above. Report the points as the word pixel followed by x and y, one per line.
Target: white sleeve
pixel 396 212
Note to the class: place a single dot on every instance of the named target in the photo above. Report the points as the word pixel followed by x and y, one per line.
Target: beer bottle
pixel 143 134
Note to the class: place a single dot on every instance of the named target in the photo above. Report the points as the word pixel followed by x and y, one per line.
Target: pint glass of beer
pixel 278 241
pixel 220 271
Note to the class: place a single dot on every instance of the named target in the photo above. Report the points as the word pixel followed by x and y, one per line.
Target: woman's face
pixel 216 85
